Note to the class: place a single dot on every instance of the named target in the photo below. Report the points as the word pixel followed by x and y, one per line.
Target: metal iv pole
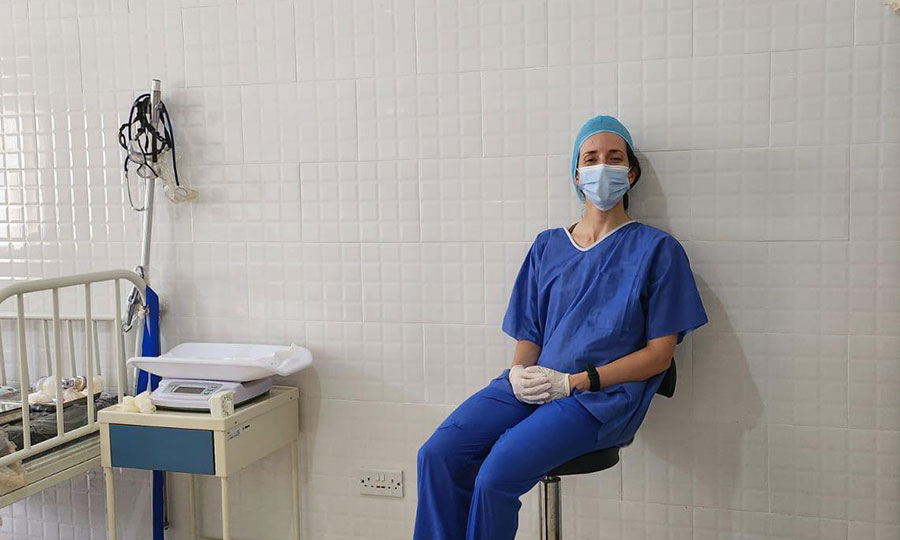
pixel 160 506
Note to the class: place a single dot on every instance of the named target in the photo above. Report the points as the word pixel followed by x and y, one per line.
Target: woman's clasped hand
pixel 538 384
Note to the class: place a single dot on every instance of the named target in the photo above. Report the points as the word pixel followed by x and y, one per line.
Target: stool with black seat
pixel 598 460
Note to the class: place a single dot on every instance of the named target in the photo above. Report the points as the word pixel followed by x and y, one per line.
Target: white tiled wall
pixel 371 173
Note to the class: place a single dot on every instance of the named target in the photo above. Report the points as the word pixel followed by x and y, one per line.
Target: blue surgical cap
pixel 597 124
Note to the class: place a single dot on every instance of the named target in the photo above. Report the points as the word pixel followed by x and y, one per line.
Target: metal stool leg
pixel 551 525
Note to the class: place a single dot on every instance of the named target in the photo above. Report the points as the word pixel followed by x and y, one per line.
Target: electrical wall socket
pixel 387 483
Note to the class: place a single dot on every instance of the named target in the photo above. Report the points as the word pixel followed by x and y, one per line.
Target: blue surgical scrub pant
pixel 489 452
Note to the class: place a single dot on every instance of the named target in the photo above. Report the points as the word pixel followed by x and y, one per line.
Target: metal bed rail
pixel 54 361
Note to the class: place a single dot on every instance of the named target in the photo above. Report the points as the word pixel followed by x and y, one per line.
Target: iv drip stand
pixel 134 298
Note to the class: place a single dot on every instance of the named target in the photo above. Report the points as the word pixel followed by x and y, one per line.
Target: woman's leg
pixel 555 433
pixel 449 460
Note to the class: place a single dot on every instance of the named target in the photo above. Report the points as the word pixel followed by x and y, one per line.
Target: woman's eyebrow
pixel 589 152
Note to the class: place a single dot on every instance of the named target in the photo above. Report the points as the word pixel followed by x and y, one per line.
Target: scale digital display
pixel 189 390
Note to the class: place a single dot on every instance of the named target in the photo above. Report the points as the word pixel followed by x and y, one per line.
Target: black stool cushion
pixel 588 463
pixel 667 386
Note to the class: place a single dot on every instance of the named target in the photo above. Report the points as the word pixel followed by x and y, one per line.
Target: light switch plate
pixel 387 483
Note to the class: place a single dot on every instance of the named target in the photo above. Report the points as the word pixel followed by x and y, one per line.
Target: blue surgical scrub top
pixel 603 302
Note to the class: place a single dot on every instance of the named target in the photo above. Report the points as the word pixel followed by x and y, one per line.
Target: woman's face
pixel 604 148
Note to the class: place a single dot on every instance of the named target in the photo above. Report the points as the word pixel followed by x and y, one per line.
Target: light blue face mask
pixel 597 124
pixel 604 185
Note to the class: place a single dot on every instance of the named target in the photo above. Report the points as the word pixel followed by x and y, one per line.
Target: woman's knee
pixel 497 472
pixel 438 446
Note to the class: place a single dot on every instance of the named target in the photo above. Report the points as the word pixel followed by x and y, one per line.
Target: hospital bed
pixel 46 448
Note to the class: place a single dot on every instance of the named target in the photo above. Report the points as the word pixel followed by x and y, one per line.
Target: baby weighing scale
pixel 193 395
pixel 192 373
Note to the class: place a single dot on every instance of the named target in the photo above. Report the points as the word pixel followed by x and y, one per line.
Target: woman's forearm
pixel 637 366
pixel 526 353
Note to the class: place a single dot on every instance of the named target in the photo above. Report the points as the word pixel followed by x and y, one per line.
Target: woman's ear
pixel 576 177
pixel 631 175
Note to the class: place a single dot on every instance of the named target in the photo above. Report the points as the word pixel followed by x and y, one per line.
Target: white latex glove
pixel 528 387
pixel 559 381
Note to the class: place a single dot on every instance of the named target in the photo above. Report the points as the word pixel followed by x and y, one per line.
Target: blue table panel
pixel 162 449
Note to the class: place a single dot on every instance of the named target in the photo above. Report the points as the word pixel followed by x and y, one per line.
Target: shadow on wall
pixel 703 438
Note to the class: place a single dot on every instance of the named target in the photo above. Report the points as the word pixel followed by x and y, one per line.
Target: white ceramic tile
pixel 711 523
pixel 107 57
pixel 459 360
pixel 812 95
pixel 649 520
pixel 501 266
pixel 732 279
pixel 744 26
pixel 874 373
pixel 386 357
pixel 563 206
pixel 655 103
pixel 250 203
pixel 539 111
pixel 346 39
pixel 436 283
pixel 222 269
pixel 18 138
pixel 514 198
pixel 242 44
pixel 470 35
pixel 389 201
pixel 425 116
pixel 329 194
pixel 306 122
pixel 811 24
pixel 807 380
pixel 876 86
pixel 731 26
pixel 453 283
pixel 392 282
pixel 874 288
pixel 700 103
pixel 572 32
pixel 207 123
pixel 729 377
pixel 875 192
pixel 875 476
pixel 271 200
pixel 491 199
pixel 15 50
pixel 807 287
pixel 874 23
pixel 658 465
pixel 55 55
pixel 15 9
pixel 771 194
pixel 730 101
pixel 166 37
pixel 652 29
pixel 810 471
pixel 729 466
pixel 451 199
pixel 785 527
pixel 860 530
pixel 61 130
pixel 662 197
pixel 332 282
